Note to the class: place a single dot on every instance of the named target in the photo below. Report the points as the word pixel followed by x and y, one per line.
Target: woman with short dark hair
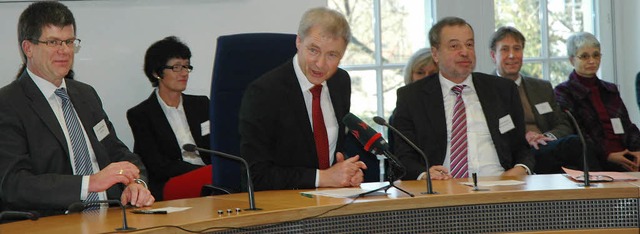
pixel 168 119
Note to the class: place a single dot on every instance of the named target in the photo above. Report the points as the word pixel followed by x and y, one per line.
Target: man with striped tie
pixel 465 122
pixel 57 145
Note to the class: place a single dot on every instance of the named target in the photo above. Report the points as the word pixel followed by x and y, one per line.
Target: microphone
pixel 379 120
pixel 18 215
pixel 375 144
pixel 587 181
pixel 80 206
pixel 252 201
pixel 371 140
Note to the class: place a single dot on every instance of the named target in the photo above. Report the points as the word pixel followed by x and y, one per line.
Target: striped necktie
pixel 459 164
pixel 82 160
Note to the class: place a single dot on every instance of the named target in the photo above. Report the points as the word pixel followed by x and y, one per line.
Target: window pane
pixel 392 80
pixel 359 13
pixel 532 70
pixel 363 95
pixel 525 16
pixel 560 71
pixel 566 18
pixel 403 29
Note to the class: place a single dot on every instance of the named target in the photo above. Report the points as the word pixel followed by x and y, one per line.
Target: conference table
pixel 533 204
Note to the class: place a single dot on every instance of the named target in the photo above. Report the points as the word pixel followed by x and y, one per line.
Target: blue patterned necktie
pixel 82 160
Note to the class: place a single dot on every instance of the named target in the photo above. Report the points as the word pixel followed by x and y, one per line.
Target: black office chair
pixel 239 60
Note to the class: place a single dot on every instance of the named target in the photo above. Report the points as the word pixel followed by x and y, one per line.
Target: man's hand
pixel 118 172
pixel 438 172
pixel 535 138
pixel 619 158
pixel 515 171
pixel 137 195
pixel 344 173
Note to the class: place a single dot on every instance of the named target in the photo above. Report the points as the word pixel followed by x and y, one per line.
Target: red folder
pixel 187 185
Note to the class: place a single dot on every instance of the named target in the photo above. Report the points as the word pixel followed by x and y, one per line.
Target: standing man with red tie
pixel 465 122
pixel 290 118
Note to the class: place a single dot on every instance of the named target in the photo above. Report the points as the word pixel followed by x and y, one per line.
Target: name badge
pixel 617 126
pixel 205 128
pixel 101 130
pixel 543 108
pixel 505 124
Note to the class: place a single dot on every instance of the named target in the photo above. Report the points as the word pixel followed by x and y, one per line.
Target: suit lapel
pixel 488 100
pixel 299 109
pixel 43 110
pixel 191 114
pixel 432 100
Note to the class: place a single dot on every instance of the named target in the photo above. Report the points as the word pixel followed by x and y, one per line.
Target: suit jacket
pixel 420 116
pixel 276 136
pixel 156 143
pixel 36 172
pixel 540 91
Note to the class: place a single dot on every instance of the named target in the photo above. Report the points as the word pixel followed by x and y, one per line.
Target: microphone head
pixel 189 147
pixel 369 138
pixel 379 120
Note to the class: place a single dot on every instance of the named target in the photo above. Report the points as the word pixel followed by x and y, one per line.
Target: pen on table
pixel 307 195
pixel 149 211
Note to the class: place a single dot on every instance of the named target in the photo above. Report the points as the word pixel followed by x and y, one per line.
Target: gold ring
pixel 120 172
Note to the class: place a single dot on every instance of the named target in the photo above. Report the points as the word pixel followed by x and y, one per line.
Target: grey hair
pixel 419 59
pixel 330 21
pixel 580 40
pixel 436 30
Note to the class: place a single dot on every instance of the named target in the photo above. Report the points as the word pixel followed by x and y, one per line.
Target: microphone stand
pixel 80 206
pixel 252 200
pixel 379 120
pixel 587 179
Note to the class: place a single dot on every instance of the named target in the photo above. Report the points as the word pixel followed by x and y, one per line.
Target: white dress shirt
pixel 178 122
pixel 481 154
pixel 330 121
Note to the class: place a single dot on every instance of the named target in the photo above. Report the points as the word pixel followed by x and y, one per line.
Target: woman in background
pixel 168 119
pixel 419 66
pixel 598 108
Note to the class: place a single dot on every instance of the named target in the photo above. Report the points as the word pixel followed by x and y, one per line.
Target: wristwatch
pixel 140 181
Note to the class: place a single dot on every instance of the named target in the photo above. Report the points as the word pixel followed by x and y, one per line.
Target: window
pixel 385 34
pixel 546 24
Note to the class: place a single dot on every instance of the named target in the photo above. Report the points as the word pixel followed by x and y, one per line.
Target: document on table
pixel 483 183
pixel 347 192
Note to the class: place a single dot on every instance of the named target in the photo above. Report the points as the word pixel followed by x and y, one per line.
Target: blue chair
pixel 239 60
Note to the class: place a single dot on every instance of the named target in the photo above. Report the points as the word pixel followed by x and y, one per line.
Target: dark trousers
pixel 563 152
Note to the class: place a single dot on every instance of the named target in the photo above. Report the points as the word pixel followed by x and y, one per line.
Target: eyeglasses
pixel 179 68
pixel 586 57
pixel 54 43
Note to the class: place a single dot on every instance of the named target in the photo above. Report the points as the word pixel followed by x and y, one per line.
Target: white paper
pixel 171 209
pixel 494 183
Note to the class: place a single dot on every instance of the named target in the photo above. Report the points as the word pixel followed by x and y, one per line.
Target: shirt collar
pixel 518 81
pixel 446 84
pixel 47 88
pixel 305 85
pixel 167 107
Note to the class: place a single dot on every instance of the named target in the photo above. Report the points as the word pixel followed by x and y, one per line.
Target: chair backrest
pixel 187 185
pixel 239 60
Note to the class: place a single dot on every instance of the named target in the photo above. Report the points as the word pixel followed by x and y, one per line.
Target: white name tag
pixel 543 108
pixel 101 130
pixel 505 124
pixel 617 126
pixel 205 128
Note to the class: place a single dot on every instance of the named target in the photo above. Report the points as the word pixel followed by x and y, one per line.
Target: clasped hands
pixel 126 173
pixel 344 173
pixel 629 160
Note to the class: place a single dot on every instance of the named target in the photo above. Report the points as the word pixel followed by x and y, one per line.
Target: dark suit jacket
pixel 276 136
pixel 420 116
pixel 156 143
pixel 36 171
pixel 540 91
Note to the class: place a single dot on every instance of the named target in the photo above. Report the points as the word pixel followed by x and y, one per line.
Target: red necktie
pixel 319 130
pixel 459 136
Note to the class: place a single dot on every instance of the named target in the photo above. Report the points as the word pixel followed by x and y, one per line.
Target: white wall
pixel 115 35
pixel 627 38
